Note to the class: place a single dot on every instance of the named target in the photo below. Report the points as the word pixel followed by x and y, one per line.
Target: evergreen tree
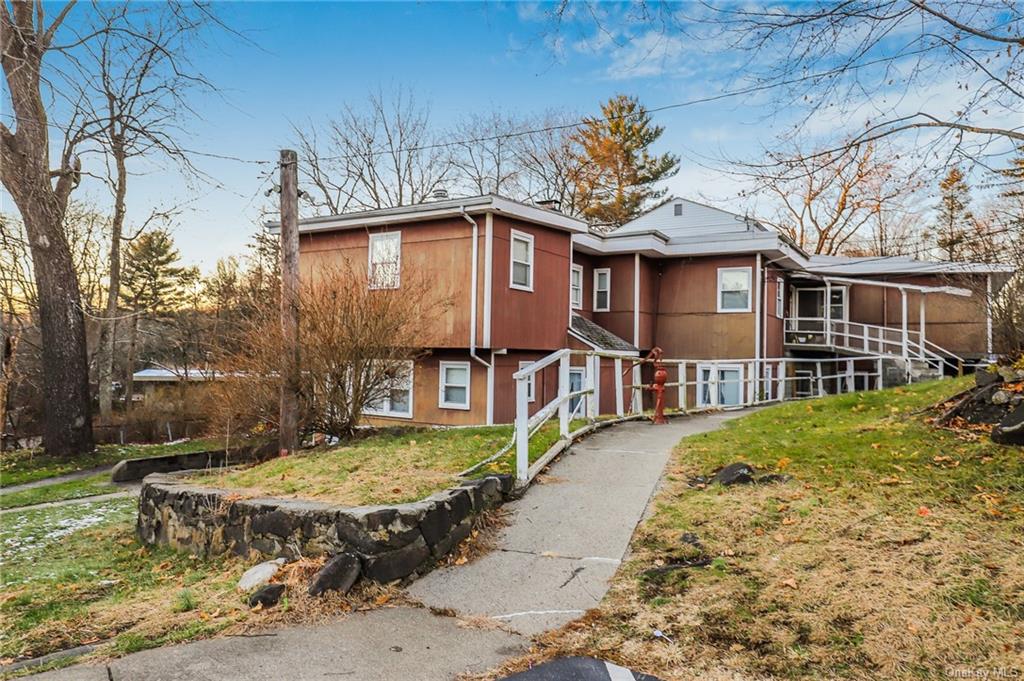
pixel 954 221
pixel 618 171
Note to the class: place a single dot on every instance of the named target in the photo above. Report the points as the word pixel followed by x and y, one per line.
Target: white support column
pixel 750 387
pixel 713 384
pixel 563 393
pixel 522 432
pixel 782 380
pixel 903 316
pixel 682 387
pixel 880 367
pixel 849 376
pixel 594 400
pixel 821 381
pixel 828 312
pixel 988 315
pixel 619 411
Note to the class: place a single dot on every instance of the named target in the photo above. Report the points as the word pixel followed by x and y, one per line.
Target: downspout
pixel 475 249
pixel 756 384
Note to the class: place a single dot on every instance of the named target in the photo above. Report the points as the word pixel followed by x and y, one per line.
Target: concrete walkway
pixel 67 477
pixel 565 540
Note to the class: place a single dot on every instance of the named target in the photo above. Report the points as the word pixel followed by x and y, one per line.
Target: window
pixel 780 297
pixel 453 388
pixel 531 382
pixel 522 261
pixel 720 386
pixel 602 289
pixel 397 398
pixel 678 209
pixel 577 406
pixel 385 259
pixel 576 287
pixel 734 289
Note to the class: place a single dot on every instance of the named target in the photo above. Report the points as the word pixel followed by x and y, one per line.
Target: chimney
pixel 439 194
pixel 550 204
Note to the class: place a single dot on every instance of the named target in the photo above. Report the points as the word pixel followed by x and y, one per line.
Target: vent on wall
pixel 678 209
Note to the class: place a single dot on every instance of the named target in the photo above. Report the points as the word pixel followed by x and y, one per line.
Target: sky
pixel 303 61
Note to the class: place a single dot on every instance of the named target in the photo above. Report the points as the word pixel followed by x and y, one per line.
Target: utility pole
pixel 290 367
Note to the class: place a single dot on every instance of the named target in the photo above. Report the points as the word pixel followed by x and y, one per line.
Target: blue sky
pixel 306 60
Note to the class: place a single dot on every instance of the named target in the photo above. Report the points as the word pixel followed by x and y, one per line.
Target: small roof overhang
pixel 436 210
pixel 655 244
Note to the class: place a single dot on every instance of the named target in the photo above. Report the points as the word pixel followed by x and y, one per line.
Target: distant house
pixel 152 380
pixel 699 282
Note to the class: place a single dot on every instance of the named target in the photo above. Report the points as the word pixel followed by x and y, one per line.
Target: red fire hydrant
pixel 658 387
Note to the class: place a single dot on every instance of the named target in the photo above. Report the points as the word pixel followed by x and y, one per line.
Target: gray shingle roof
pixel 598 336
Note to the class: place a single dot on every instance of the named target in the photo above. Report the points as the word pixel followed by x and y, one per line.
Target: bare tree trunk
pixel 290 361
pixel 108 330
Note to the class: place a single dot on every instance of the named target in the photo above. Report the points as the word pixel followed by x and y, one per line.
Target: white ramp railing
pixel 699 385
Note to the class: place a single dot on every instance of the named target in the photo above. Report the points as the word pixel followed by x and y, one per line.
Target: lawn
pixel 69 489
pixel 389 467
pixel 896 551
pixel 29 465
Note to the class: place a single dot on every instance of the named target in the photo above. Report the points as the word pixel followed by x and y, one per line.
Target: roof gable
pixel 694 219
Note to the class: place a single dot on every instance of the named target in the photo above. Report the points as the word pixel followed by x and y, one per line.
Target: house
pixel 704 284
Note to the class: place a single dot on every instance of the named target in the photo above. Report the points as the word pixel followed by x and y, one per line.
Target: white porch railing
pixel 713 384
pixel 866 339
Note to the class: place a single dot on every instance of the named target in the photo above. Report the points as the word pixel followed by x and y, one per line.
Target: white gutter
pixel 472 290
pixel 488 273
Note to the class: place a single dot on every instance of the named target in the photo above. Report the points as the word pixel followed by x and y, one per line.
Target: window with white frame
pixel 734 289
pixel 602 289
pixel 385 259
pixel 576 287
pixel 396 398
pixel 453 386
pixel 719 385
pixel 521 275
pixel 531 382
pixel 780 297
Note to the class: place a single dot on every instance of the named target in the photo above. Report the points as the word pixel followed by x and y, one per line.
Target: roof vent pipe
pixel 550 204
pixel 439 194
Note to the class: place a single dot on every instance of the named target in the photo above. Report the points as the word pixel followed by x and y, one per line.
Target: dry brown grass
pixel 909 565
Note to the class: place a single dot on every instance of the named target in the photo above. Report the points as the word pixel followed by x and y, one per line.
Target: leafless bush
pixel 356 344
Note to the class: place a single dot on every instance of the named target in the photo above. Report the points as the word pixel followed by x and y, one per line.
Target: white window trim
pixel 576 305
pixel 582 373
pixel 528 238
pixel 715 368
pixel 376 236
pixel 531 382
pixel 750 292
pixel 412 392
pixel 441 385
pixel 597 272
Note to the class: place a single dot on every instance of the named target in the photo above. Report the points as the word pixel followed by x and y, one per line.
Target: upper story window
pixel 453 388
pixel 576 287
pixel 780 297
pixel 678 208
pixel 385 259
pixel 522 261
pixel 734 289
pixel 602 289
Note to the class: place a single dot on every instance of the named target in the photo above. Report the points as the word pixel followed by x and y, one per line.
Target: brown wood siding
pixel 688 322
pixel 650 283
pixel 619 318
pixel 545 386
pixel 587 262
pixel 438 252
pixel 773 325
pixel 527 320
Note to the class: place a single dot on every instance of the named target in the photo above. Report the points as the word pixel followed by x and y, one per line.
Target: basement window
pixel 522 261
pixel 453 386
pixel 602 289
pixel 734 289
pixel 396 398
pixel 385 259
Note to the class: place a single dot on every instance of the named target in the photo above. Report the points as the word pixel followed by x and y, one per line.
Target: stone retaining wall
pixel 392 542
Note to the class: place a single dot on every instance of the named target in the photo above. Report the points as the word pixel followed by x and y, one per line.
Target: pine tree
pixel 954 221
pixel 618 171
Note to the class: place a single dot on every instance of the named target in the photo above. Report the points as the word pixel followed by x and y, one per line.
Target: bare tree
pixel 356 344
pixel 484 154
pixel 381 155
pixel 831 203
pixel 549 159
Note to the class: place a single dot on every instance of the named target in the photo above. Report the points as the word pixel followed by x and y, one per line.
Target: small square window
pixel 734 289
pixel 453 386
pixel 521 266
pixel 576 287
pixel 531 382
pixel 678 208
pixel 602 289
pixel 385 259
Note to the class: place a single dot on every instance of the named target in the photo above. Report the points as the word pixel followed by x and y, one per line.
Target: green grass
pixel 70 489
pixel 388 467
pixel 29 465
pixel 76 574
pixel 894 552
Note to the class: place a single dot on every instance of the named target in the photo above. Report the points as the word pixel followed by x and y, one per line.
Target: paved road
pixel 565 540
